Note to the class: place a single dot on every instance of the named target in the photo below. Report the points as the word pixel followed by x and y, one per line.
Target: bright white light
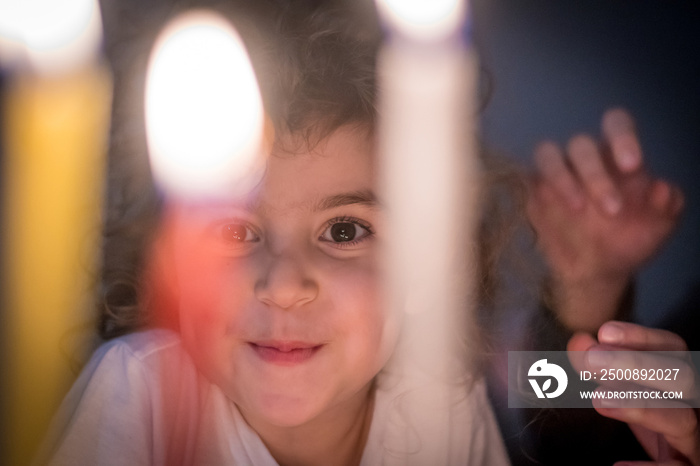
pixel 50 35
pixel 423 19
pixel 204 113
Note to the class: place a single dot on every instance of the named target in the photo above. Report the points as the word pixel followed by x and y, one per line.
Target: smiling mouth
pixel 285 353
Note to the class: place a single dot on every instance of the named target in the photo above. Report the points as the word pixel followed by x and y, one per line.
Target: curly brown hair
pixel 317 72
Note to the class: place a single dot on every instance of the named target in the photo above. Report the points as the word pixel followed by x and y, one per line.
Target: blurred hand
pixel 670 435
pixel 598 215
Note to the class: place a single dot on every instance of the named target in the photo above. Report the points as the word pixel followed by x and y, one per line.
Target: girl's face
pixel 279 297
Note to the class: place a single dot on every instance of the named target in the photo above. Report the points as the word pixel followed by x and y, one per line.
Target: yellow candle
pixel 56 117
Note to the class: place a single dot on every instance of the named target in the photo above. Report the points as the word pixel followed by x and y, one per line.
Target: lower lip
pixel 284 358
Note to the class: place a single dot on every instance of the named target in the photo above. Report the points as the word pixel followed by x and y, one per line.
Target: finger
pixel 620 134
pixel 677 200
pixel 588 162
pixel 638 337
pixel 653 443
pixel 576 349
pixel 581 341
pixel 667 371
pixel 551 165
pixel 678 425
pixel 660 195
pixel 541 199
pixel 666 198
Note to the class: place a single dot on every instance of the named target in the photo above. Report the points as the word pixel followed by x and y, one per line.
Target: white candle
pixel 204 113
pixel 430 183
pixel 56 120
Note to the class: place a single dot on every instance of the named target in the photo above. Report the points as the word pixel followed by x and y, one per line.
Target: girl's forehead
pixel 342 163
pixel 340 170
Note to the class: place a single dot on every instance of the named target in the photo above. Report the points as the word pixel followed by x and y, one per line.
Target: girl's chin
pixel 281 413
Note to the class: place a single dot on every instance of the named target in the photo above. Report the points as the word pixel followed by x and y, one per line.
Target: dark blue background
pixel 557 65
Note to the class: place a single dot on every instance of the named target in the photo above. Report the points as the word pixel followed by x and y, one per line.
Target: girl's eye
pixel 238 233
pixel 345 232
pixel 231 237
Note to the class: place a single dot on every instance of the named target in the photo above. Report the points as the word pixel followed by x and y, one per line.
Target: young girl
pixel 273 343
pixel 252 333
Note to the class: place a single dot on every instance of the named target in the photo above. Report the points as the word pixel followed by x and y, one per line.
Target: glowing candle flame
pixel 204 112
pixel 50 36
pixel 423 19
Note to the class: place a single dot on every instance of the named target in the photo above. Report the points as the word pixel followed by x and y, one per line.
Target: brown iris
pixel 343 232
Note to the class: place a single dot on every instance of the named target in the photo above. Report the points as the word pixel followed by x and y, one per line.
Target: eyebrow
pixel 365 197
pixel 361 197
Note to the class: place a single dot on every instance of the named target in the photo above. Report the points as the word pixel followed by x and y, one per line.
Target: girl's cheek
pixel 356 288
pixel 211 286
pixel 353 279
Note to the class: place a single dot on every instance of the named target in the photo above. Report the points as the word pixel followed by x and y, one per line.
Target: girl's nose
pixel 286 283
